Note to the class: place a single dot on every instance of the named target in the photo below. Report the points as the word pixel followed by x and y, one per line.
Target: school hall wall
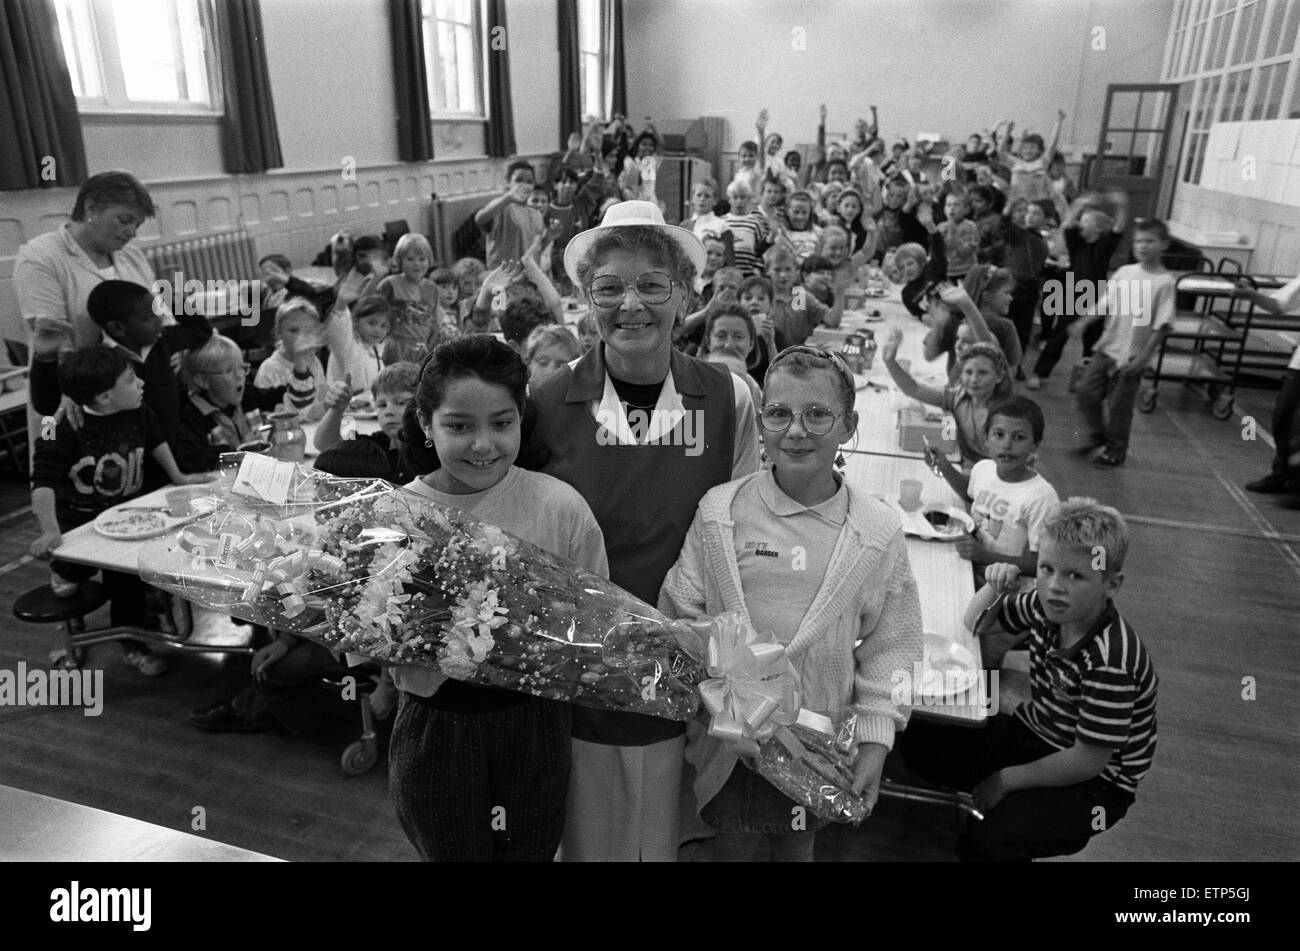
pixel 331 72
pixel 946 66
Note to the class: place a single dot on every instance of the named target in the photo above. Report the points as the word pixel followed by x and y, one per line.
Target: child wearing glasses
pixel 823 568
pixel 212 419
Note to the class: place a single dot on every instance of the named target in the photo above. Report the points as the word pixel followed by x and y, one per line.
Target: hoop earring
pixel 428 443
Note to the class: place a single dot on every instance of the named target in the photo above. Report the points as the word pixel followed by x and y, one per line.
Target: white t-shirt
pixel 1008 515
pixel 1289 297
pixel 1134 298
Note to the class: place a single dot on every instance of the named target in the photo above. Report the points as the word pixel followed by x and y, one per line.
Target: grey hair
pixel 643 239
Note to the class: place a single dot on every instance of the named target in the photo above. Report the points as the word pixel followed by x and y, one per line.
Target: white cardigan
pixel 868 594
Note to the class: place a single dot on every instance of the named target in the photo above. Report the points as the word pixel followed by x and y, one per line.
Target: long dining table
pixel 879 400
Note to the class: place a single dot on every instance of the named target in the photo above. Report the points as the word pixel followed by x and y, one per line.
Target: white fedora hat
pixel 631 214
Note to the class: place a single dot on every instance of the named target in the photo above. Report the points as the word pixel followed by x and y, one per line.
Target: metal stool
pixel 40 606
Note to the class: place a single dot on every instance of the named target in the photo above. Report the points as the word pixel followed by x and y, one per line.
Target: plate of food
pixel 947 521
pixel 134 521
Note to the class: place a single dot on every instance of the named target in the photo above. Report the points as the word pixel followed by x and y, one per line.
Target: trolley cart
pixel 1215 340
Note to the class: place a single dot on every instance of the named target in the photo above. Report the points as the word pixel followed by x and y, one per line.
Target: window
pixel 1256 80
pixel 1268 96
pixel 591 59
pixel 453 52
pixel 139 55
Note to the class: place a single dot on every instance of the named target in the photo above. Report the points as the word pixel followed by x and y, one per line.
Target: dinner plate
pixel 959 523
pixel 954 665
pixel 132 521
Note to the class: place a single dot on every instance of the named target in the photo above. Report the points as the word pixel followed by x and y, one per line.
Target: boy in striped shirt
pixel 1066 764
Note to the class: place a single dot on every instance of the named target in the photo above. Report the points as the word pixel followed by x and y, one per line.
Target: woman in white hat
pixel 642 431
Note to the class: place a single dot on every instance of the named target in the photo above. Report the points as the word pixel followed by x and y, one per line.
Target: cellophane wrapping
pixel 365 567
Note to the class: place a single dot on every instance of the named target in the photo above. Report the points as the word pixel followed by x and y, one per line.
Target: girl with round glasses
pixel 823 568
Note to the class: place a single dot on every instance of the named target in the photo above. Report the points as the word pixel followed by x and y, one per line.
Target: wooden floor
pixel 1212 585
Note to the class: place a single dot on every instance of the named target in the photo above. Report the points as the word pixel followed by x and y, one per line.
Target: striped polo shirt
pixel 1102 690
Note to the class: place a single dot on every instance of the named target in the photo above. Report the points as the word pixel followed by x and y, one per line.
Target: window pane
pixel 1286 41
pixel 149 56
pixel 78 42
pixel 593 94
pixel 1220 30
pixel 1194 48
pixel 1294 111
pixel 464 12
pixel 1234 96
pixel 589 14
pixel 1247 34
pixel 447 60
pixel 465 78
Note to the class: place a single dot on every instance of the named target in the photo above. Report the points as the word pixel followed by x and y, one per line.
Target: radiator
pixel 452 228
pixel 229 256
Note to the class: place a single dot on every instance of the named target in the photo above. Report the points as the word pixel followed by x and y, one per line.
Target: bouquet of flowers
pixel 364 567
pixel 753 701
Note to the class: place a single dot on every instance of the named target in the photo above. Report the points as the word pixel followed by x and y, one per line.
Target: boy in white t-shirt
pixel 1008 499
pixel 1139 310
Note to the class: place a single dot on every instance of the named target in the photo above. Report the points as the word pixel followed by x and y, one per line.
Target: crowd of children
pixel 787 245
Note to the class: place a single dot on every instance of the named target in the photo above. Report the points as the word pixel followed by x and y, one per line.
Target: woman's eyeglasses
pixel 652 287
pixel 817 420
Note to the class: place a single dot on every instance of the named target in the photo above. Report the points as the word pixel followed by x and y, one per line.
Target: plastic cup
pixel 909 494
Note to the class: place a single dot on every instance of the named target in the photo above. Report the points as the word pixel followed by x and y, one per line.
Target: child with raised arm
pixel 983 370
pixel 391 391
pixel 1081 744
pixel 1029 178
pixel 293 374
pixel 749 230
pixel 356 338
pixel 507 220
pixel 1008 499
pixel 1091 237
pixel 795 312
pixel 848 614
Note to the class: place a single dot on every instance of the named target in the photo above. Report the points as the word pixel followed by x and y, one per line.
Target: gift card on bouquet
pixel 262 477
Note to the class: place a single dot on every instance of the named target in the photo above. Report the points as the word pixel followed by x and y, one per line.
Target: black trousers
pixel 1024 301
pixel 1055 343
pixel 1284 412
pixel 481 787
pixel 1028 824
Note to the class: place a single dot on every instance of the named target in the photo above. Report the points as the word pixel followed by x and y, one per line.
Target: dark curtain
pixel 501 127
pixel 40 131
pixel 611 14
pixel 570 71
pixel 414 130
pixel 250 141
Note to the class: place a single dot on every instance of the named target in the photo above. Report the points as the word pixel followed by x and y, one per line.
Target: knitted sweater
pixel 868 593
